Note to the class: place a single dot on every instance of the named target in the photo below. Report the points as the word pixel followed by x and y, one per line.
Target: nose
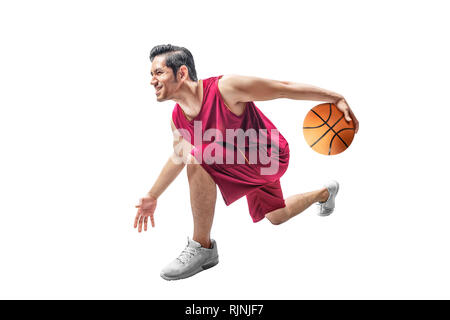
pixel 153 81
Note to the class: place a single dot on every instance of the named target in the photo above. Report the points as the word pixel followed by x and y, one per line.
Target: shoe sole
pixel 206 266
pixel 327 214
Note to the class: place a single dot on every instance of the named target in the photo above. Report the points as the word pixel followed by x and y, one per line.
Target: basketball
pixel 326 131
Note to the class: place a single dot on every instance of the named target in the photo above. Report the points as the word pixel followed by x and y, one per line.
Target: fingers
pixel 142 215
pixel 355 121
pixel 347 115
pixel 152 220
pixel 141 218
pixel 138 216
pixel 343 106
pixel 136 220
pixel 143 221
pixel 356 125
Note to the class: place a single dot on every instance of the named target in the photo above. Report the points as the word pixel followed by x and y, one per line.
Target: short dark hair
pixel 175 58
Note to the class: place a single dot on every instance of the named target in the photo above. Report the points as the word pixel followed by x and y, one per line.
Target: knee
pixel 274 219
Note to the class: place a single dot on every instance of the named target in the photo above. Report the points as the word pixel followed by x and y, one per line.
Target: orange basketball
pixel 326 131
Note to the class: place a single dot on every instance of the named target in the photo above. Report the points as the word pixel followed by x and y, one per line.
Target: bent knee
pixel 275 219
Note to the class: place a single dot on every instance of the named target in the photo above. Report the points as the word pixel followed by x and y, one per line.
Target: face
pixel 163 79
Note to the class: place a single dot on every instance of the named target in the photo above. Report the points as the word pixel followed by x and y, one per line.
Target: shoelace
pixel 187 254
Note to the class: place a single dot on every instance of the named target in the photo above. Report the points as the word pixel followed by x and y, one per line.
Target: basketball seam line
pixel 326 122
pixel 329 116
pixel 331 128
pixel 336 134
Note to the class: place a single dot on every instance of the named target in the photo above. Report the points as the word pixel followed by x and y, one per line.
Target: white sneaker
pixel 326 208
pixel 193 259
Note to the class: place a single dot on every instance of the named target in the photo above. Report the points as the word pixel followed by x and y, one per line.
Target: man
pixel 211 109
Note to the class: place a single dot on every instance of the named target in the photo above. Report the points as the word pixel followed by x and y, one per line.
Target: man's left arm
pixel 236 88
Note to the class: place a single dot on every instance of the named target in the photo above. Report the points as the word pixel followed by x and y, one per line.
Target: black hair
pixel 175 58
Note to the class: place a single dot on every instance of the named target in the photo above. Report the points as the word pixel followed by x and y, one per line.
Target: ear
pixel 183 73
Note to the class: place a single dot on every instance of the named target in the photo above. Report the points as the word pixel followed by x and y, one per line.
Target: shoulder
pixel 237 81
pixel 245 88
pixel 229 81
pixel 229 89
pixel 239 88
pixel 230 86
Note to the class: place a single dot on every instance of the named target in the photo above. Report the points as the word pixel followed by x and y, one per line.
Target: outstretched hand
pixel 342 105
pixel 146 209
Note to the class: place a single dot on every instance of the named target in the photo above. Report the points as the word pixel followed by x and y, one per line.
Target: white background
pixel 82 139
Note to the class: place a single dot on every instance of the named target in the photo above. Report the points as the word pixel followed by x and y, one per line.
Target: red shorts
pixel 265 199
pixel 263 192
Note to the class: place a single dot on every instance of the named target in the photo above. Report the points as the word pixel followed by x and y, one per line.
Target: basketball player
pixel 226 103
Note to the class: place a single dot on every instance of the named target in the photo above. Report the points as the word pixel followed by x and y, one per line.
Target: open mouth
pixel 158 89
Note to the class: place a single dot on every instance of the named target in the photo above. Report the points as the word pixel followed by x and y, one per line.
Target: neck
pixel 190 98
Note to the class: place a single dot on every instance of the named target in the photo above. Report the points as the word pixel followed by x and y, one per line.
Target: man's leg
pixel 203 201
pixel 297 204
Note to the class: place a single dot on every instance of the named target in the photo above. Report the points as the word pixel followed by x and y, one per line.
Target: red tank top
pixel 245 168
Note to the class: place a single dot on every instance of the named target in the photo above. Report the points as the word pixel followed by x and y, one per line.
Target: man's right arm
pixel 173 166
